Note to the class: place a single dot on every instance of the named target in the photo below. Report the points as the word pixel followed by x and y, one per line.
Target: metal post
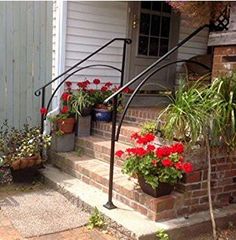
pixel 42 105
pixel 123 65
pixel 109 204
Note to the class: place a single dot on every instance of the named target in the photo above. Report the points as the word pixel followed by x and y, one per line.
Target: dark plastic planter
pixel 26 175
pixel 162 190
pixel 102 115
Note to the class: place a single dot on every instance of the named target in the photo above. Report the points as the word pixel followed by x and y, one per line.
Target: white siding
pixel 25 59
pixel 196 46
pixel 89 26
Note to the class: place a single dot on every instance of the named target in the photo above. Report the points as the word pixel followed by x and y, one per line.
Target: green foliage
pixel 149 127
pixel 81 100
pixel 188 114
pixel 17 144
pixel 162 235
pixel 79 152
pixel 96 220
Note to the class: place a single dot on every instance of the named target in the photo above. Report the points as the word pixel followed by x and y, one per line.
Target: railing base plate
pixel 109 205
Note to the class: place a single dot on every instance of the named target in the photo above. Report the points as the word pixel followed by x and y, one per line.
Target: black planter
pixel 86 111
pixel 26 175
pixel 162 190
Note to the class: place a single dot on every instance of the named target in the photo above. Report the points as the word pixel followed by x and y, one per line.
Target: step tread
pixel 103 142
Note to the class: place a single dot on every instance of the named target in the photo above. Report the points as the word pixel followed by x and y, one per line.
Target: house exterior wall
pixel 89 25
pixel 25 59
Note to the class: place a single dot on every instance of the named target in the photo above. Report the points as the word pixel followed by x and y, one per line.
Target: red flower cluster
pixel 96 81
pixel 162 157
pixel 43 111
pixel 83 85
pixel 65 109
pixel 68 83
pixel 66 96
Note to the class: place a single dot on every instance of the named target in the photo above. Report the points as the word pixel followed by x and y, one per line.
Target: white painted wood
pixel 25 59
pixel 89 26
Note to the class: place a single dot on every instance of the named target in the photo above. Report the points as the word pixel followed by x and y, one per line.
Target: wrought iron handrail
pixel 114 96
pixel 41 90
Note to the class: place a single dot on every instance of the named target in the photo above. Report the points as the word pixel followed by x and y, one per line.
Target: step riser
pixel 95 151
pixel 133 198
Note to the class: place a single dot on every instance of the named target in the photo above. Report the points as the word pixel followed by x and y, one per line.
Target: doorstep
pixel 125 221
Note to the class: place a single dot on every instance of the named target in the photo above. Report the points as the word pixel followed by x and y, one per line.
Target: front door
pixel 154 29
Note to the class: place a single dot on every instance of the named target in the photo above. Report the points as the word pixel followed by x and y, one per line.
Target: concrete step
pixel 104 129
pixel 95 172
pixel 98 147
pixel 126 223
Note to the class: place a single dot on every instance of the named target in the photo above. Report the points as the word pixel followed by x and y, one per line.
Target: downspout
pixel 61 17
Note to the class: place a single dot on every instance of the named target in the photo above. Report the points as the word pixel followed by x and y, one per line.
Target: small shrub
pixel 149 127
pixel 96 220
pixel 162 235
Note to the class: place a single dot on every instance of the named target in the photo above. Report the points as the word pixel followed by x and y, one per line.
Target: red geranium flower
pixel 151 147
pixel 108 84
pixel 179 165
pixel 163 151
pixel 65 96
pixel 65 109
pixel 104 89
pixel 167 162
pixel 87 82
pixel 127 90
pixel 146 139
pixel 96 81
pixel 43 111
pixel 178 148
pixel 119 153
pixel 68 83
pixel 187 167
pixel 134 136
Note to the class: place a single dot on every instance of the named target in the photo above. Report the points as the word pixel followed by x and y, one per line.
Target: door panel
pixel 154 29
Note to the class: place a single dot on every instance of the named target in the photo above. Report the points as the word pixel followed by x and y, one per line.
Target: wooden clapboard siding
pixel 25 59
pixel 196 46
pixel 89 26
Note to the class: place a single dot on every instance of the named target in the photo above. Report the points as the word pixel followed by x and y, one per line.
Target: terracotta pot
pixel 24 163
pixel 16 164
pixel 162 190
pixel 66 125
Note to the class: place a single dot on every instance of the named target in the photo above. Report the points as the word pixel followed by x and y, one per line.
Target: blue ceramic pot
pixel 102 115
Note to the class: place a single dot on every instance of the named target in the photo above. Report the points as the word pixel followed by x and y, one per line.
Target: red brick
pixel 193 177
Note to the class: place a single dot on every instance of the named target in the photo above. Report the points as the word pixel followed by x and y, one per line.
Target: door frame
pixel 175 24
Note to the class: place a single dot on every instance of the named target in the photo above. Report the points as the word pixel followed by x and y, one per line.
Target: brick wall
pixel 220 64
pixel 194 185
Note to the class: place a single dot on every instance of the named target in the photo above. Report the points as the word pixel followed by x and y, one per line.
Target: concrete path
pixel 9 232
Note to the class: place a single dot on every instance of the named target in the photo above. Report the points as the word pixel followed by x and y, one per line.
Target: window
pixel 154 29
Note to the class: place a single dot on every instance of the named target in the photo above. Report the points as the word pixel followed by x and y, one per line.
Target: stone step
pixel 126 190
pixel 99 148
pixel 104 129
pixel 138 115
pixel 126 223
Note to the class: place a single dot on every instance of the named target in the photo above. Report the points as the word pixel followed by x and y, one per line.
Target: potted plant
pixel 157 168
pixel 63 125
pixel 82 102
pixel 20 150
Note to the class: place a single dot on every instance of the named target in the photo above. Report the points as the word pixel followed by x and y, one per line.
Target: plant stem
pixel 209 187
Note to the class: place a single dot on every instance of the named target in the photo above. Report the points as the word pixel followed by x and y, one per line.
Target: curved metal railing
pixel 115 133
pixel 41 91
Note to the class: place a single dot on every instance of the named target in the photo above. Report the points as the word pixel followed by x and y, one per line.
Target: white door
pixel 154 29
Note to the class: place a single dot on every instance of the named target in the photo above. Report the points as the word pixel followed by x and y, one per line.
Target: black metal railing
pixel 114 96
pixel 42 90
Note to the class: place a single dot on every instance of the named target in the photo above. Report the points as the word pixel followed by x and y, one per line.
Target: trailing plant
pixel 199 13
pixel 18 144
pixel 96 220
pixel 163 164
